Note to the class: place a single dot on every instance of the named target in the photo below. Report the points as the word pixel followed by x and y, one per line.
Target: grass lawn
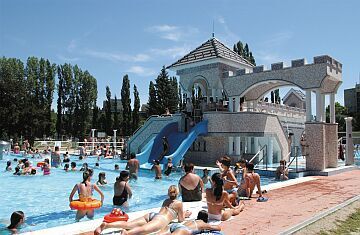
pixel 350 226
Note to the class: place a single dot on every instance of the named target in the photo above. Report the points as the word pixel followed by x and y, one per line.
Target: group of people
pixel 216 197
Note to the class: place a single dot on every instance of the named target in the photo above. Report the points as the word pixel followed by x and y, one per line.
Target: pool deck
pixel 290 203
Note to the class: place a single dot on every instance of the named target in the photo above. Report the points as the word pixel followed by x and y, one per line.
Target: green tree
pixel 108 118
pixel 60 89
pixel 162 90
pixel 49 95
pixel 95 117
pixel 126 103
pixel 13 97
pixel 277 96
pixel 135 114
pixel 246 51
pixel 341 113
pixel 152 101
pixel 116 115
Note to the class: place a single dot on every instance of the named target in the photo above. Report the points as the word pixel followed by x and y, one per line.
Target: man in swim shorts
pixel 133 166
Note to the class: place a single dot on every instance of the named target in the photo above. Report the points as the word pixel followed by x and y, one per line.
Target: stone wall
pixel 321 139
pixel 248 124
pixel 216 146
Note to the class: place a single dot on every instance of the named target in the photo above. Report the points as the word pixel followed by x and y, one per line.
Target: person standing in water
pixel 156 167
pixel 85 190
pixel 133 166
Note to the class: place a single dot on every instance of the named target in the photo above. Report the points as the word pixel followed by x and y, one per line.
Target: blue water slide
pixel 144 155
pixel 197 130
pixel 179 142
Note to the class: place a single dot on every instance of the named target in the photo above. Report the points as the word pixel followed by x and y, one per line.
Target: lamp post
pixel 114 140
pixel 92 138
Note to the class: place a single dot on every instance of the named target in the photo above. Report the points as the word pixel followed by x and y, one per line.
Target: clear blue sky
pixel 113 38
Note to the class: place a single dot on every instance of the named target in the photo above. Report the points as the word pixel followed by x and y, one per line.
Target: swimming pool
pixel 45 199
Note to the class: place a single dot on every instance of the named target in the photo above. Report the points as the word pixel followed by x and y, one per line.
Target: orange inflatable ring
pixel 88 205
pixel 40 164
pixel 116 215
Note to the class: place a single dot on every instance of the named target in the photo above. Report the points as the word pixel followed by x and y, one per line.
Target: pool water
pixel 45 199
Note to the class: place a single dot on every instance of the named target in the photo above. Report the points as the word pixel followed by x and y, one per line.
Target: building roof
pixel 298 93
pixel 210 49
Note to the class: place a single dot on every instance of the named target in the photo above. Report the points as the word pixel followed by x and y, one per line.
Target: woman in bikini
pixel 122 190
pixel 217 198
pixel 191 186
pixel 191 226
pixel 230 182
pixel 171 209
pixel 85 190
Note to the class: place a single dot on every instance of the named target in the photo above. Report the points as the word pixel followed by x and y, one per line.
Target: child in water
pixel 17 218
pixel 46 167
pixel 8 166
pixel 102 179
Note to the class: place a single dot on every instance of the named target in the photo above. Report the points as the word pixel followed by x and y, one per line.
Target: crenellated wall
pixel 323 74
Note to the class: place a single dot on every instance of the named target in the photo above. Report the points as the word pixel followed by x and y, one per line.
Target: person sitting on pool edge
pixel 230 182
pixel 17 218
pixel 252 179
pixel 191 185
pixel 151 222
pixel 85 190
pixel 217 198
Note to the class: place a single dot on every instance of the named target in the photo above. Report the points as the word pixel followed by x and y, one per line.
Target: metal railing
pixel 264 148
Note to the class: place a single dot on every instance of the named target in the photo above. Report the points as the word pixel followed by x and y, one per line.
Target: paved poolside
pixel 294 204
pixel 290 203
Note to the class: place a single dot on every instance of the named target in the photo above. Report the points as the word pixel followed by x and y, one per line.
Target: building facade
pixel 352 99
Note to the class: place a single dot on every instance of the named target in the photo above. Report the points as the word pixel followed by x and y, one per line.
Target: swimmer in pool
pixel 17 218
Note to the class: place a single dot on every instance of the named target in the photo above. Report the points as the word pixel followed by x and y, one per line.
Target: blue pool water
pixel 45 199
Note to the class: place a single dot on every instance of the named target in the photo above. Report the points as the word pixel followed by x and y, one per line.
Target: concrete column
pixel 308 105
pixel 237 104
pixel 231 142
pixel 248 143
pixel 318 106
pixel 323 111
pixel 92 138
pixel 255 102
pixel 270 149
pixel 256 144
pixel 332 108
pixel 349 152
pixel 237 145
pixel 114 143
pixel 230 108
pixel 242 144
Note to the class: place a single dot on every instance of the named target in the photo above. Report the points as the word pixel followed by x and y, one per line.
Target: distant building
pixel 352 99
pixel 112 103
pixel 294 98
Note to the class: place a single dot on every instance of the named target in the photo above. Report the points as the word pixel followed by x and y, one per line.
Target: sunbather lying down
pixel 191 226
pixel 152 222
